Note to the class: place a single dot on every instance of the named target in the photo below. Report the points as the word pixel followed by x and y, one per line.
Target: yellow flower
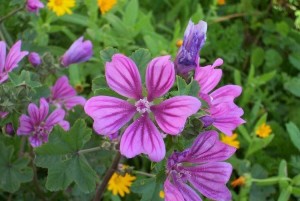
pixel 119 184
pixel 238 182
pixel 106 5
pixel 61 7
pixel 263 131
pixel 179 43
pixel 162 194
pixel 231 140
pixel 221 2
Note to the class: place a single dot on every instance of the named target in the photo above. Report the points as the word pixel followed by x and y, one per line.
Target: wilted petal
pixel 208 148
pixel 109 113
pixel 2 55
pixel 123 76
pixel 160 76
pixel 55 117
pixel 225 94
pixel 143 137
pixel 26 126
pixel 211 178
pixel 14 56
pixel 171 114
pixel 171 192
pixel 208 77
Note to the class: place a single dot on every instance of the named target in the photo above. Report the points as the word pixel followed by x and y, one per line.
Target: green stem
pixel 83 151
pixel 270 181
pixel 11 13
pixel 143 173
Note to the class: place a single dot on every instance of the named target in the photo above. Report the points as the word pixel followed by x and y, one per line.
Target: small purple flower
pixel 35 59
pixel 142 136
pixel 38 125
pixel 3 114
pixel 187 57
pixel 199 168
pixel 9 62
pixel 80 51
pixel 63 94
pixel 9 129
pixel 33 6
pixel 224 114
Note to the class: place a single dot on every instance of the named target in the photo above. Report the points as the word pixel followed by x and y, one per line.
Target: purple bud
pixel 114 136
pixel 9 129
pixel 80 51
pixel 187 57
pixel 207 121
pixel 34 59
pixel 33 6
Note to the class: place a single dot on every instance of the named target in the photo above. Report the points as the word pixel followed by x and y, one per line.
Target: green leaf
pixel 13 172
pixel 294 59
pixel 107 54
pixel 193 89
pixel 257 56
pixel 294 134
pixel 63 161
pixel 131 13
pixel 26 78
pixel 293 86
pixel 148 189
pixel 285 194
pixel 296 180
pixel 141 57
pixel 181 85
pixel 258 144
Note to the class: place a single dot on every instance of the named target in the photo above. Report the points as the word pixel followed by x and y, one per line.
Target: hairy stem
pixel 108 175
pixel 143 173
pixel 35 180
pixel 89 150
pixel 11 13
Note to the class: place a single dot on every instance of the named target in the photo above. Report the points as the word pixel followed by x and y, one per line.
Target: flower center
pixel 58 2
pixel 183 175
pixel 143 105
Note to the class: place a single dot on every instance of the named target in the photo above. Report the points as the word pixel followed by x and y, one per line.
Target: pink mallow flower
pixel 223 113
pixel 80 51
pixel 64 95
pixel 199 168
pixel 10 62
pixel 38 125
pixel 34 6
pixel 141 136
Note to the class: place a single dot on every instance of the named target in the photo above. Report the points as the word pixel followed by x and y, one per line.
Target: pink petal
pixel 14 56
pixel 64 124
pixel 55 117
pixel 171 192
pixel 38 114
pixel 109 113
pixel 211 178
pixel 208 148
pixel 26 126
pixel 2 55
pixel 35 141
pixel 73 101
pixel 187 192
pixel 226 93
pixel 62 89
pixel 160 77
pixel 143 137
pixel 171 114
pixel 123 76
pixel 208 77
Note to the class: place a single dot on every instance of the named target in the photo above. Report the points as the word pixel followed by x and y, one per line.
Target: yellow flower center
pixel 106 5
pixel 263 131
pixel 61 7
pixel 162 194
pixel 231 140
pixel 58 2
pixel 120 184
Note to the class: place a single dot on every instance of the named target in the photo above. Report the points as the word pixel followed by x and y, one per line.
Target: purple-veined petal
pixel 171 114
pixel 225 94
pixel 208 77
pixel 62 89
pixel 44 109
pixel 123 76
pixel 73 101
pixel 208 148
pixel 64 124
pixel 143 137
pixel 14 56
pixel 2 55
pixel 3 77
pixel 26 127
pixel 210 179
pixel 187 192
pixel 109 113
pixel 171 192
pixel 55 117
pixel 35 141
pixel 160 77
